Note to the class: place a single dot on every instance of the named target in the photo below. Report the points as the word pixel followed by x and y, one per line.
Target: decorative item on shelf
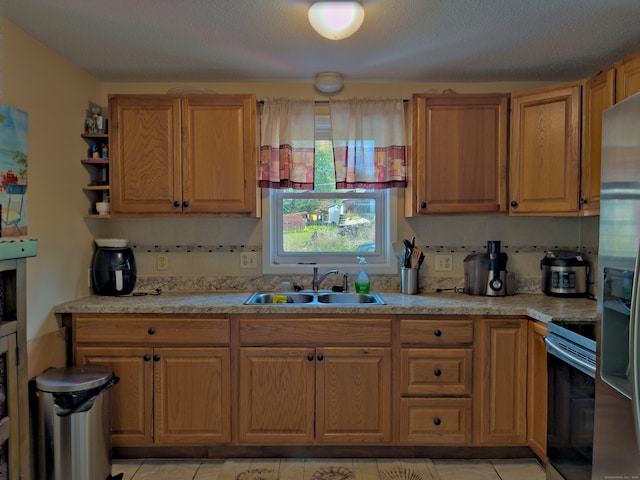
pixel 103 208
pixel 105 150
pixel 336 20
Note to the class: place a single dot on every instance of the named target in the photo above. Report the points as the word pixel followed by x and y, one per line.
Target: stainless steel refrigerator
pixel 616 449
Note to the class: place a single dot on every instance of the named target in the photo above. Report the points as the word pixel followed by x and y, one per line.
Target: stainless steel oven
pixel 571 360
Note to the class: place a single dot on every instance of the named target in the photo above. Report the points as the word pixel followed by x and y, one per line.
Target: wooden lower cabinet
pixel 537 389
pixel 327 395
pixel 173 389
pixel 436 378
pixel 257 381
pixel 500 382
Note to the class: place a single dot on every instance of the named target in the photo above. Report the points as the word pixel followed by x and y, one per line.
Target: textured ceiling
pixel 271 40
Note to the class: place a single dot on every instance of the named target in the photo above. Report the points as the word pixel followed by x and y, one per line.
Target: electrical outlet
pixel 162 262
pixel 444 263
pixel 248 260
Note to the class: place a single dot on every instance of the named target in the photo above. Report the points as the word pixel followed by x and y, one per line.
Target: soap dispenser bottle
pixel 362 283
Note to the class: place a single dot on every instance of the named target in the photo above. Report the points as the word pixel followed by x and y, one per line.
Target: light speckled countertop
pixel 537 306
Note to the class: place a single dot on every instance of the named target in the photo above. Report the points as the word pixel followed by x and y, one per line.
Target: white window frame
pixel 275 261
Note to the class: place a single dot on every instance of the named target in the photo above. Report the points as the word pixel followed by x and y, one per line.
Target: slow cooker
pixel 564 274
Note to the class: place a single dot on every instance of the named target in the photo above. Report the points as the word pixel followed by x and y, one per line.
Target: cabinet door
pixel 145 154
pixel 598 95
pixel 353 395
pixel 627 77
pixel 132 396
pixel 500 385
pixel 537 389
pixel 460 154
pixel 276 395
pixel 219 154
pixel 192 396
pixel 545 151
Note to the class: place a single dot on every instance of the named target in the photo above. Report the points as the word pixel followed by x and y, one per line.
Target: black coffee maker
pixel 113 268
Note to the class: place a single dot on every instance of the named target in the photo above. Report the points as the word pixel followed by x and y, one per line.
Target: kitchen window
pixel 327 226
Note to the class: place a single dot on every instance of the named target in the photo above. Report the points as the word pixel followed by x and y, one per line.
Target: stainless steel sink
pixel 351 298
pixel 311 298
pixel 259 298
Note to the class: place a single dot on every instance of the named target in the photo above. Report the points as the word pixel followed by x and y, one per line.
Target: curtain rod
pixel 325 102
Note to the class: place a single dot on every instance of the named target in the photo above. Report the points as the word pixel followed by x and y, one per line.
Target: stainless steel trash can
pixel 74 423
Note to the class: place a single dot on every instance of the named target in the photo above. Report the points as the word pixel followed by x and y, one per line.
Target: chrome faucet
pixel 317 280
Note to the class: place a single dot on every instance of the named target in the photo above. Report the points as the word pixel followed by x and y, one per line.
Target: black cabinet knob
pixel 423 204
pixel 156 357
pixel 176 204
pixel 320 357
pixel 185 204
pixel 437 372
pixel 514 204
pixel 151 331
pixel 436 421
pixel 437 333
pixel 147 357
pixel 310 357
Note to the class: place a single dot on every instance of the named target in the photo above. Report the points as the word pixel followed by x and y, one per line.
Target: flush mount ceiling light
pixel 328 82
pixel 336 20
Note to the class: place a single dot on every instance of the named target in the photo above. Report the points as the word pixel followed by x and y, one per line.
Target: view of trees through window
pixel 328 220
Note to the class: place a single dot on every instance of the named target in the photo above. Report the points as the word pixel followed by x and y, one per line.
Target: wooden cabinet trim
pixel 315 331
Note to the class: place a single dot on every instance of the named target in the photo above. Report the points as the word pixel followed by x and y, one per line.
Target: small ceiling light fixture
pixel 336 20
pixel 328 82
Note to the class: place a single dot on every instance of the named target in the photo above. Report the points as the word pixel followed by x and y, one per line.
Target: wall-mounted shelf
pixel 98 188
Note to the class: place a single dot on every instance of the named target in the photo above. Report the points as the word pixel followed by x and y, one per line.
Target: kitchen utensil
pixel 415 257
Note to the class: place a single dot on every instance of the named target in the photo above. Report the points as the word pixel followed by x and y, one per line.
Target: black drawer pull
pixel 437 333
pixel 176 204
pixel 156 357
pixel 320 357
pixel 437 372
pixel 147 357
pixel 185 204
pixel 151 331
pixel 310 357
pixel 436 421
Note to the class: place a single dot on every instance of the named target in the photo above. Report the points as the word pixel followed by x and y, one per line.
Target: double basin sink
pixel 314 298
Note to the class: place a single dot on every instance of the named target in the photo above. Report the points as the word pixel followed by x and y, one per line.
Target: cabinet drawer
pixel 435 421
pixel 150 330
pixel 315 331
pixel 425 371
pixel 436 332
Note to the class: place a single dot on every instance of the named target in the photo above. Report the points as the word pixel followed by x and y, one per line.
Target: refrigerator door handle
pixel 634 350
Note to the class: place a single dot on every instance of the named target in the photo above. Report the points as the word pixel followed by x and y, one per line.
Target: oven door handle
pixel 634 349
pixel 576 362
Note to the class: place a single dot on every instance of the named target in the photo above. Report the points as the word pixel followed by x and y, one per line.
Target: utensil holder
pixel 409 280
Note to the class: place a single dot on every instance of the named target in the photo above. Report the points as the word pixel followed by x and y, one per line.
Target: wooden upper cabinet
pixel 598 94
pixel 145 153
pixel 193 154
pixel 459 160
pixel 545 151
pixel 627 77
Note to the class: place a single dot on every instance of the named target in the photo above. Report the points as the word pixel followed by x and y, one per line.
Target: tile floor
pixel 328 469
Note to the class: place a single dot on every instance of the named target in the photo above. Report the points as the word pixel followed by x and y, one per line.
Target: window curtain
pixel 369 145
pixel 287 144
